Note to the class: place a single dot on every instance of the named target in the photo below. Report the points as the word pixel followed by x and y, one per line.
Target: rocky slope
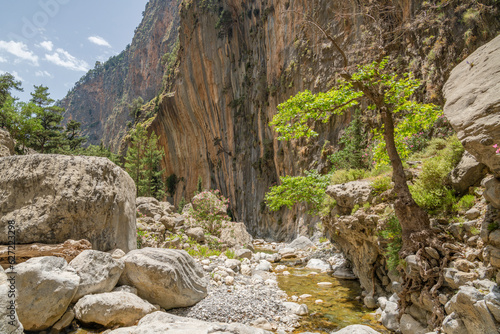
pixel 100 99
pixel 239 60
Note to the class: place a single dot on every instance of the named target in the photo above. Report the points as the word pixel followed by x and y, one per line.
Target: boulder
pixel 493 302
pixel 196 233
pixel 151 207
pixel 234 234
pixel 351 193
pixel 468 173
pixel 492 191
pixel 408 325
pixel 111 309
pixel 243 253
pixel 473 103
pixel 452 324
pixel 46 286
pixel 67 197
pixel 209 198
pixel 64 322
pixel 263 265
pixel 472 309
pixel 302 243
pixel 98 272
pixel 356 329
pixel 166 323
pixel 295 308
pixel 167 277
pixel 318 264
pixel 9 322
pixel 6 144
pixel 390 316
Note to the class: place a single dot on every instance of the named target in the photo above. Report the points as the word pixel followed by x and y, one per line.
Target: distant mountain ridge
pixel 100 99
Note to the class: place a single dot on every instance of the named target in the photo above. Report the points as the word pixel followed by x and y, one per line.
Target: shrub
pixel 429 190
pixel 209 210
pixel 229 254
pixel 392 234
pixel 347 175
pixel 380 185
pixel 466 202
pixel 141 237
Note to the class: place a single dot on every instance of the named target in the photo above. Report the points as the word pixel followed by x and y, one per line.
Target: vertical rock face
pixel 239 60
pixel 51 198
pixel 100 99
pixel 473 103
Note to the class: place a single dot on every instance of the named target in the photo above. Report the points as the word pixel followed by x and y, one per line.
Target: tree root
pixel 430 278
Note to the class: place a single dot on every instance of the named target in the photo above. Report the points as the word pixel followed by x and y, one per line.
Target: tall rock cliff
pixel 100 99
pixel 240 59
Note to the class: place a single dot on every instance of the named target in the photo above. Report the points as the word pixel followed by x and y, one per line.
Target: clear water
pixel 339 308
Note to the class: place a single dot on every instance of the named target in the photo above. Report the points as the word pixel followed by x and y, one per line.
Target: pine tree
pixel 49 136
pixel 143 161
pixel 72 135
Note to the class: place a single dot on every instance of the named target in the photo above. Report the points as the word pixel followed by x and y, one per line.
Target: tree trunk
pixel 413 219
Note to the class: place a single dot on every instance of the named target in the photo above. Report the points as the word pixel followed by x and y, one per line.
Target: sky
pixel 55 42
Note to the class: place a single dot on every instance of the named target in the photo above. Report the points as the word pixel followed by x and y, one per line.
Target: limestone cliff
pixel 100 99
pixel 240 59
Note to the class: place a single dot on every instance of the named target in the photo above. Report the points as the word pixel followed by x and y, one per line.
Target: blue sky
pixel 55 42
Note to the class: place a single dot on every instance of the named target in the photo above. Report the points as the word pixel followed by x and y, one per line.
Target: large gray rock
pixel 151 207
pixel 473 103
pixel 167 277
pixel 9 322
pixel 356 329
pixel 111 309
pixel 302 243
pixel 390 316
pixel 6 144
pixel 234 234
pixel 469 172
pixel 351 193
pixel 165 323
pixel 469 305
pixel 46 286
pixel 98 272
pixel 408 325
pixel 53 198
pixel 492 191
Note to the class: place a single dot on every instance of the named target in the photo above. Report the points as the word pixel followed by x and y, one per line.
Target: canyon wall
pixel 99 101
pixel 240 59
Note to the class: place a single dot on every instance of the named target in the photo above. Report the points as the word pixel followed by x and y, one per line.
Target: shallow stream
pixel 339 308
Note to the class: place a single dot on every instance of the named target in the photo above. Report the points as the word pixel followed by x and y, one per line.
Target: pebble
pixel 318 301
pixel 325 284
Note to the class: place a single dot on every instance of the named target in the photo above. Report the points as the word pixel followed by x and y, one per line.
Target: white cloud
pixel 3 60
pixel 20 50
pixel 64 59
pixel 47 45
pixel 99 41
pixel 14 73
pixel 43 74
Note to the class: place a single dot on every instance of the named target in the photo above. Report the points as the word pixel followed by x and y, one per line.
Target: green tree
pixel 388 95
pixel 135 107
pixel 72 135
pixel 7 83
pixel 49 136
pixel 142 163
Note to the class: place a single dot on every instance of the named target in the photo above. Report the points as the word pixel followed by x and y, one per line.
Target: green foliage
pixel 347 175
pixel 134 108
pixel 199 185
pixel 328 204
pixel 429 190
pixel 142 163
pixel 182 203
pixel 323 239
pixel 141 237
pixel 381 184
pixel 493 226
pixel 7 83
pixel 99 151
pixel 354 153
pixel 209 210
pixel 392 235
pixel 172 182
pixel 309 189
pixel 230 254
pixel 466 202
pixel 355 208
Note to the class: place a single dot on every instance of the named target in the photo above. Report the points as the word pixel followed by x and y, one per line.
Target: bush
pixel 209 210
pixel 392 235
pixel 347 175
pixel 381 184
pixel 229 254
pixel 466 202
pixel 429 190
